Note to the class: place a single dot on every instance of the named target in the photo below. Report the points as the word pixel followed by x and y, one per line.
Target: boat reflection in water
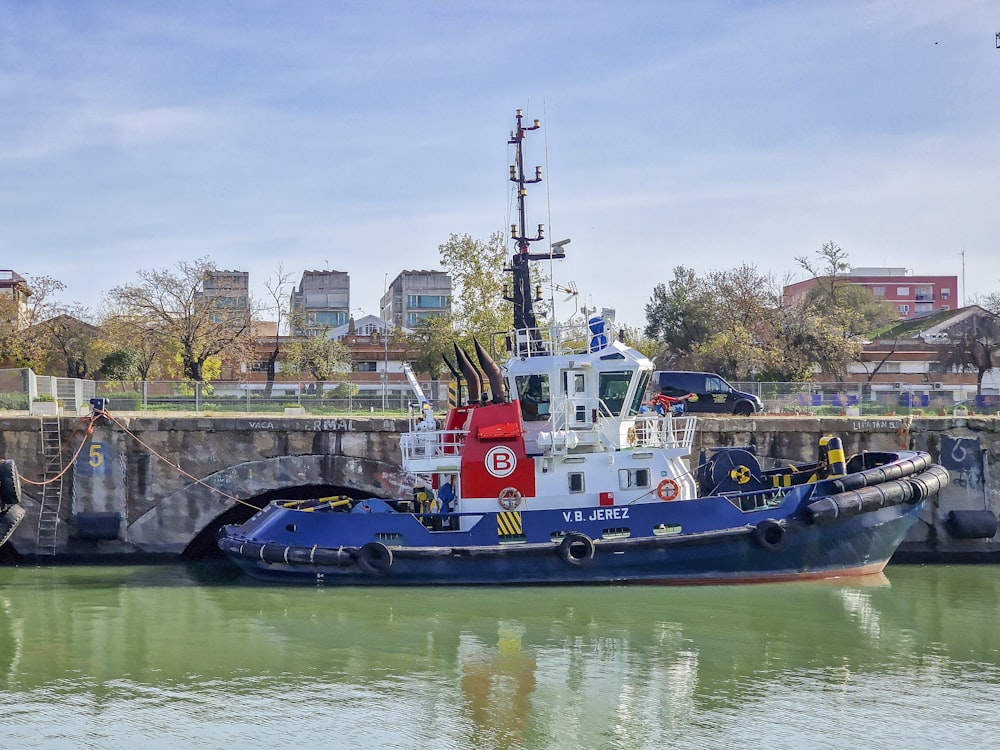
pixel 131 653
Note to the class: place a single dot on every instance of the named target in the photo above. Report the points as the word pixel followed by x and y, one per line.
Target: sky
pixel 360 135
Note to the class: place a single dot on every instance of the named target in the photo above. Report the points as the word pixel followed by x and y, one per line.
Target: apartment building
pixel 414 296
pixel 913 296
pixel 321 302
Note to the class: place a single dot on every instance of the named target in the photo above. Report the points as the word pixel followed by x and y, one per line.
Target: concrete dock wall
pixel 153 486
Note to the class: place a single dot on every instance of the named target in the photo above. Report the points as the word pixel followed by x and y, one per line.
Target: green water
pixel 163 657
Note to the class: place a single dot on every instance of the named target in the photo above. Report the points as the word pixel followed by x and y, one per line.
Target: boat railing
pixel 665 431
pixel 431 449
pixel 573 337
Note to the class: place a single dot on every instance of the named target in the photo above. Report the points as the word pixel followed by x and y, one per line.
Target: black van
pixel 712 394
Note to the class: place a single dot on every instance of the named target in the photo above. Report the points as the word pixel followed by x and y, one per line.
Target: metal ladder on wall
pixel 51 499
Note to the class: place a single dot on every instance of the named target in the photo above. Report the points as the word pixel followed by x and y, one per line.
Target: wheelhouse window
pixel 640 393
pixel 612 389
pixel 533 392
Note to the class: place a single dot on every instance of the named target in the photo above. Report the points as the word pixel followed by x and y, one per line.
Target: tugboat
pixel 558 475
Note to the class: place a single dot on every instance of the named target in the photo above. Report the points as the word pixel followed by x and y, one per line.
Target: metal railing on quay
pixel 22 390
pixel 251 398
pixel 871 399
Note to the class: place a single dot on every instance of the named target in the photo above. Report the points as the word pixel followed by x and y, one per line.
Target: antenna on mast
pixel 525 325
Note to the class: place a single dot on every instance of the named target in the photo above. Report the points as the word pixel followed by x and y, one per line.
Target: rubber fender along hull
pixel 769 551
pixel 887 494
pixel 897 469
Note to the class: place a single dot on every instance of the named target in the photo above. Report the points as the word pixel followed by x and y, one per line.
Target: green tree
pixel 428 342
pixel 477 273
pixel 638 340
pixel 121 365
pixel 318 356
pixel 481 282
pixel 723 322
pixel 137 340
pixel 426 346
pixel 806 338
pixel 679 314
pixel 836 314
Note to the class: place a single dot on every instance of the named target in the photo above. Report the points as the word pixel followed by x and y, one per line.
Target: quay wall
pixel 143 486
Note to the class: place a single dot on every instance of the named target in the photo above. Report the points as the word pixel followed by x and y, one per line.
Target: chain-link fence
pixel 23 390
pixel 257 398
pixel 871 399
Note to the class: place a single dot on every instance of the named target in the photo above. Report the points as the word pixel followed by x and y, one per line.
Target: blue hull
pixel 695 542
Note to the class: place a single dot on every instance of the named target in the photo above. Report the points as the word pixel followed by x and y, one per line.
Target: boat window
pixel 533 391
pixel 640 393
pixel 576 482
pixel 574 383
pixel 633 478
pixel 612 389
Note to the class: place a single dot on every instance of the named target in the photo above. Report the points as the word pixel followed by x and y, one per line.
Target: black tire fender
pixel 374 558
pixel 10 484
pixel 9 521
pixel 769 534
pixel 576 548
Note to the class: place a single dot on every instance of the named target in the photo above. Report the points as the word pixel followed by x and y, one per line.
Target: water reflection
pixel 507 668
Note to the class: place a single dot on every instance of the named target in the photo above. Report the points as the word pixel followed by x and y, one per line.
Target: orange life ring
pixel 509 498
pixel 668 489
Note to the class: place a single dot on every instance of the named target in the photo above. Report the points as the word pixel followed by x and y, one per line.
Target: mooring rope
pixel 91 420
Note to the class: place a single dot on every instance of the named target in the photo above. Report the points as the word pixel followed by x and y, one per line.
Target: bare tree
pixel 45 334
pixel 278 304
pixel 69 343
pixel 971 348
pixel 174 305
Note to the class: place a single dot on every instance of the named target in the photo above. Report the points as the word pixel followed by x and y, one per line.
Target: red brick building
pixel 912 296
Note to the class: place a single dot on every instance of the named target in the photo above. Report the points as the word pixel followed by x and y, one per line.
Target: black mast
pixel 524 313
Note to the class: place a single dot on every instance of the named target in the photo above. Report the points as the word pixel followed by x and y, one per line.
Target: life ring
pixel 374 558
pixel 769 534
pixel 10 484
pixel 576 548
pixel 509 498
pixel 668 489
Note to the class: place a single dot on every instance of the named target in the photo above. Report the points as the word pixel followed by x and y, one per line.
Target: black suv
pixel 712 394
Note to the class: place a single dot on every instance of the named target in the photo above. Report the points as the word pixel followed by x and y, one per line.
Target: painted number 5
pixel 96 457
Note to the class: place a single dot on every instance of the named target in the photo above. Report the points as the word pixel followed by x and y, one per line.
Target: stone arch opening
pixel 186 521
pixel 204 545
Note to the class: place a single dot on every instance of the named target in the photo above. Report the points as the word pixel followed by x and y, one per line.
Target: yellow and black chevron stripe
pixel 509 523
